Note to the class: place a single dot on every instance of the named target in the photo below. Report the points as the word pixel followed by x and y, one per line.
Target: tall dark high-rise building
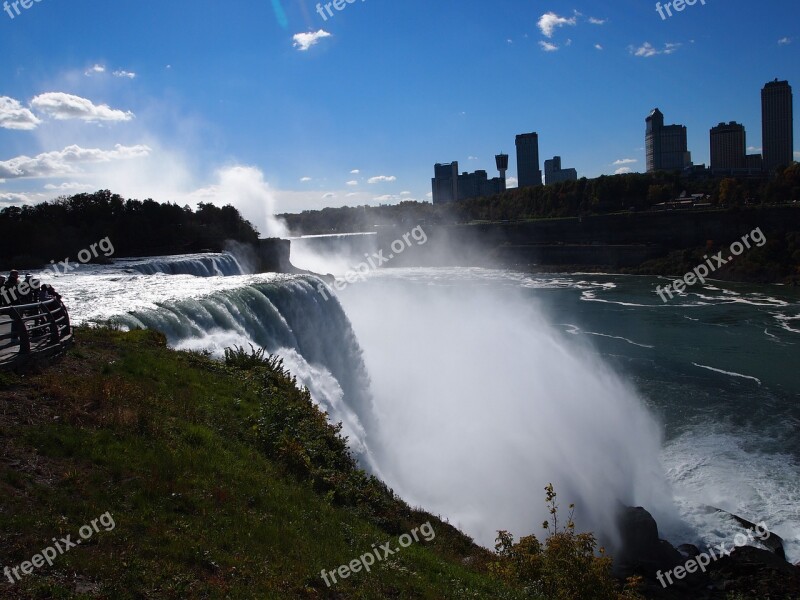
pixel 666 145
pixel 728 147
pixel 528 171
pixel 445 183
pixel 777 124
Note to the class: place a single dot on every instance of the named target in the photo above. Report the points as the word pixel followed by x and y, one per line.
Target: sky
pixel 280 105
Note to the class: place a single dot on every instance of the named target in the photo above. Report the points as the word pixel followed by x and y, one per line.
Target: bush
pixel 565 567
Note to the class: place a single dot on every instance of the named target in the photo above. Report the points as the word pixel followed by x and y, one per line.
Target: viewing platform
pixel 29 332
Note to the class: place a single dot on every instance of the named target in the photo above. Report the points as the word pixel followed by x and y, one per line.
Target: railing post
pixel 18 324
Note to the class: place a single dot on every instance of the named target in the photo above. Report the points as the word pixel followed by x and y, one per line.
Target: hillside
pixel 220 482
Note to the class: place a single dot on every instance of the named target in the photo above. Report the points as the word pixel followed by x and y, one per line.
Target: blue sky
pixel 210 101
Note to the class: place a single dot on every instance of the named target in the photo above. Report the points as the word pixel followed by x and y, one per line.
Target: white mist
pixel 482 402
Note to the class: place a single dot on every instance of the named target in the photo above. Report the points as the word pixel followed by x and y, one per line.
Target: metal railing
pixel 31 331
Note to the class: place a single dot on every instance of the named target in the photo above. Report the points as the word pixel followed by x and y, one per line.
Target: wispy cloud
pixel 548 23
pixel 625 161
pixel 647 50
pixel 304 41
pixel 784 41
pixel 547 46
pixel 63 106
pixel 94 70
pixel 598 47
pixel 305 179
pixel 382 178
pixel 352 183
pixel 125 74
pixel 595 21
pixel 15 116
pixel 355 172
pixel 66 162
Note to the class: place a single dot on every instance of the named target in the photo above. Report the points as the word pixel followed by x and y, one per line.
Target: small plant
pixel 564 567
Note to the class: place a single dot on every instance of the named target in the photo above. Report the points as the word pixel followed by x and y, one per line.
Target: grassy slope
pixel 176 448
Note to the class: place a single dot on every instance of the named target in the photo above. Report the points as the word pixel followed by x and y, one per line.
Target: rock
pixel 689 550
pixel 641 550
pixel 774 542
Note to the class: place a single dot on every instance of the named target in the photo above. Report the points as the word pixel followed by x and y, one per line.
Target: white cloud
pixel 355 172
pixel 351 194
pixel 753 149
pixel 549 21
pixel 784 41
pixel 94 70
pixel 328 195
pixel 512 182
pixel 647 50
pixel 623 171
pixel 15 116
pixel 382 178
pixel 65 162
pixel 472 158
pixel 352 183
pixel 305 179
pixel 797 155
pixel 595 21
pixel 405 193
pixel 598 47
pixel 123 73
pixel 625 161
pixel 20 198
pixel 69 186
pixel 547 46
pixel 304 41
pixel 63 106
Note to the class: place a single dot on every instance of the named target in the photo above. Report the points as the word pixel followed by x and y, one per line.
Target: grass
pixel 223 482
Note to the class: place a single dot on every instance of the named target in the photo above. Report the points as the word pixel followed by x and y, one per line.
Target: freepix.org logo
pixel 13 8
pixel 678 5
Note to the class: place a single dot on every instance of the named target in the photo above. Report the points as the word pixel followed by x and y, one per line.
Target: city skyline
pixel 329 113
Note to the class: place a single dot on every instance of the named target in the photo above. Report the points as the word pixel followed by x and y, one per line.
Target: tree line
pixel 33 235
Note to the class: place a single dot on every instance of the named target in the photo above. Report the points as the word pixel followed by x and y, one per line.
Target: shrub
pixel 567 566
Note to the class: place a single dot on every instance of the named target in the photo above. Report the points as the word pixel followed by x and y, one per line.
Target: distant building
pixel 528 172
pixel 449 186
pixel 754 162
pixel 553 173
pixel 728 147
pixel 501 160
pixel 445 183
pixel 666 146
pixel 777 124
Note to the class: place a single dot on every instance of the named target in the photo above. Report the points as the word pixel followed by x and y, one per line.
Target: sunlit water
pixel 469 390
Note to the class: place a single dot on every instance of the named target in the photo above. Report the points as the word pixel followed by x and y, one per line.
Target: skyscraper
pixel 528 171
pixel 445 183
pixel 728 147
pixel 666 145
pixel 777 124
